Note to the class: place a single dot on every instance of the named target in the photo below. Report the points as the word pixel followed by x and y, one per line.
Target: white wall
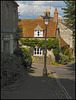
pixel 36 34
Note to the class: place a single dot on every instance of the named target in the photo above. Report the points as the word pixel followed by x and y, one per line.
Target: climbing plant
pixel 51 44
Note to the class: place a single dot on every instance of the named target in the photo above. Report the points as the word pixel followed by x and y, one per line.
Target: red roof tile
pixel 29 25
pixel 62 43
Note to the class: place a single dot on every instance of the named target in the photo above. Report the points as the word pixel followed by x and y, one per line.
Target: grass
pixel 54 63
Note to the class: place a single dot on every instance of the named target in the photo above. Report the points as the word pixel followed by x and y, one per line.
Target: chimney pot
pixel 55 15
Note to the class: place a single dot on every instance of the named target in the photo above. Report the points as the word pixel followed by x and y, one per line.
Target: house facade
pixel 35 28
pixel 9 24
pixel 66 34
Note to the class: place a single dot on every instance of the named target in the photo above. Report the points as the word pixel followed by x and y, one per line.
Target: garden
pixel 62 56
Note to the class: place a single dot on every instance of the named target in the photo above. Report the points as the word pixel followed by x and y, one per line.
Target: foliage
pixel 11 68
pixel 33 59
pixel 64 59
pixel 63 49
pixel 67 52
pixel 54 43
pixel 25 56
pixel 54 63
pixel 51 43
pixel 70 13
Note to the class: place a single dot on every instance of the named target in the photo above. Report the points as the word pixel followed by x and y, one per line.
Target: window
pixel 38 33
pixel 38 52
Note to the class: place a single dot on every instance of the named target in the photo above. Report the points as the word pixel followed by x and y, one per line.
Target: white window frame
pixel 38 52
pixel 36 33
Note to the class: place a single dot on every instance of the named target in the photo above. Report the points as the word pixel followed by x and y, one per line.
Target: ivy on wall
pixel 51 44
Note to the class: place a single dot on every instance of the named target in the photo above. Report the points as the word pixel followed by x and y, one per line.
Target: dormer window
pixel 38 31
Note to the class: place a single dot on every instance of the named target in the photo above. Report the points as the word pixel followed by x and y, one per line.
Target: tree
pixel 70 13
pixel 19 31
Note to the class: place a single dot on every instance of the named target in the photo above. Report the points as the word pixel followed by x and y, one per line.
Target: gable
pixel 38 28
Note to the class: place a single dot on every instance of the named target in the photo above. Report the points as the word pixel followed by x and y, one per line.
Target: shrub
pixel 67 52
pixel 64 59
pixel 25 56
pixel 11 68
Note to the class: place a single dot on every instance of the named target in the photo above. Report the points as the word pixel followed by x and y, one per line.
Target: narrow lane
pixel 65 74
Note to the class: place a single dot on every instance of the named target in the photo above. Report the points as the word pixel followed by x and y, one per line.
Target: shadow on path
pixel 30 86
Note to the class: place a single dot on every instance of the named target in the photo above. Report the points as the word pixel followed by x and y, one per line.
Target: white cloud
pixel 60 17
pixel 32 9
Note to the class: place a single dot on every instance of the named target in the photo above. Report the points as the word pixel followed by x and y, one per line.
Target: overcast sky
pixel 33 9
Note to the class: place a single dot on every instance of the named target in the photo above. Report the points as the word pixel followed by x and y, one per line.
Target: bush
pixel 25 57
pixel 64 59
pixel 11 68
pixel 67 52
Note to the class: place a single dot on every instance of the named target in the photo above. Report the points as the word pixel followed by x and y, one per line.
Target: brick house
pixel 35 28
pixel 9 24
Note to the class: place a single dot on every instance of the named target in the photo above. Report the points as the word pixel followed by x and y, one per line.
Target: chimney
pixel 47 11
pixel 55 15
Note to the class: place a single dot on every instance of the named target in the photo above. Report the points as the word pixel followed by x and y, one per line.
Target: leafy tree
pixel 18 34
pixel 70 13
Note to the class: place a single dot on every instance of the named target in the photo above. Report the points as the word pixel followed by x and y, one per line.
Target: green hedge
pixel 11 68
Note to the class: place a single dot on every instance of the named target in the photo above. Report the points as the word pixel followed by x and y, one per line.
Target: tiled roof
pixel 29 25
pixel 62 43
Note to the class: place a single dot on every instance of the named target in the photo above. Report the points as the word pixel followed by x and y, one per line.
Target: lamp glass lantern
pixel 46 19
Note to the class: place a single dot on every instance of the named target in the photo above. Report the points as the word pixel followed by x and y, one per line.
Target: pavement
pixel 33 85
pixel 66 75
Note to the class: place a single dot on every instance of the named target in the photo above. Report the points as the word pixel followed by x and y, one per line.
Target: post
pixel 44 69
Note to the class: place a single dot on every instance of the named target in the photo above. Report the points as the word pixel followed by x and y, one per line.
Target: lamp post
pixel 46 20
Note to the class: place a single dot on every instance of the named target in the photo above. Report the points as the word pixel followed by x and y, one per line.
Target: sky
pixel 33 9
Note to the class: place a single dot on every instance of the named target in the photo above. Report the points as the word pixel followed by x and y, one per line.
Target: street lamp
pixel 46 20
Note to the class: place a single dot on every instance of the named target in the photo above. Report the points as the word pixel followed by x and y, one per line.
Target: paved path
pixel 34 86
pixel 65 74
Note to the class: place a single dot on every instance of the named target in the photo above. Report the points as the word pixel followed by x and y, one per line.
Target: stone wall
pixel 40 60
pixel 66 34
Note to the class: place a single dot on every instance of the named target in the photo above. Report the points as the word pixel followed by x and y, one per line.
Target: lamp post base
pixel 44 72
